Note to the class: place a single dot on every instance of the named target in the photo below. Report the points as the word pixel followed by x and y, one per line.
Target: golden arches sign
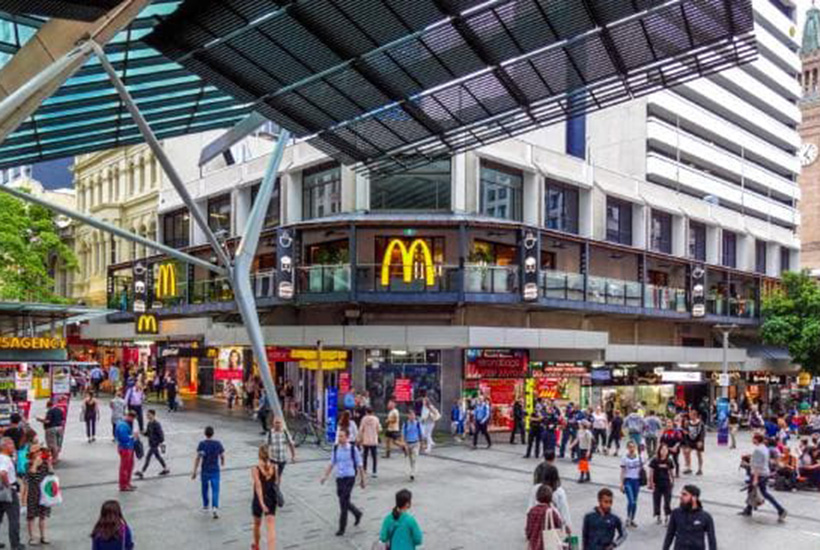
pixel 408 255
pixel 166 282
pixel 147 324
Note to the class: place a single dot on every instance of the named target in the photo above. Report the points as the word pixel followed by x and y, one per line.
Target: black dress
pixel 34 510
pixel 268 493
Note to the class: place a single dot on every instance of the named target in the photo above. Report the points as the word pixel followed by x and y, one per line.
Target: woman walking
pixel 90 414
pixel 631 466
pixel 542 518
pixel 661 481
pixel 672 437
pixel 263 507
pixel 551 478
pixel 400 531
pixel 429 416
pixel 39 467
pixel 346 424
pixel 111 531
pixel 369 437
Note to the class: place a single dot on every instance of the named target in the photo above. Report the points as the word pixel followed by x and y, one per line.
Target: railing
pixel 369 278
pixel 604 290
pixel 211 290
pixel 491 279
pixel 324 279
pixel 263 283
pixel 666 298
pixel 562 285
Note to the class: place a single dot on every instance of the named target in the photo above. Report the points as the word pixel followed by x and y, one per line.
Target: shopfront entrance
pixel 498 374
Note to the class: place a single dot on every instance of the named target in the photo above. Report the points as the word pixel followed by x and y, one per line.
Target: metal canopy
pixel 84 10
pixel 87 115
pixel 391 84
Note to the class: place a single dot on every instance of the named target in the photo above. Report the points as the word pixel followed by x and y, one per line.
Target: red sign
pixel 344 382
pixel 496 364
pixel 225 374
pixel 278 354
pixel 551 388
pixel 24 408
pixel 403 392
pixel 502 394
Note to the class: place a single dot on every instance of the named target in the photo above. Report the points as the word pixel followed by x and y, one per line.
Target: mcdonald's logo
pixel 147 324
pixel 408 259
pixel 166 282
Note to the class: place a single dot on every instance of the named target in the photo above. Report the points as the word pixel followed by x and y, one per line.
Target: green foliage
pixel 791 318
pixel 29 239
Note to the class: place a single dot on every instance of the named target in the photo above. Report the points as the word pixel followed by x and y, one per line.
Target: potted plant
pixel 477 270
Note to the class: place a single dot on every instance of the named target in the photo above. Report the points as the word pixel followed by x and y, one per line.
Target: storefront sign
pixel 551 388
pixel 344 383
pixel 496 363
pixel 766 378
pixel 60 380
pixel 558 370
pixel 529 400
pixel 13 342
pixel 166 286
pixel 600 375
pixel 425 271
pixel 140 290
pixel 331 406
pixel 223 375
pixel 698 294
pixel 147 323
pixel 529 258
pixel 284 275
pixel 22 381
pixel 403 390
pixel 681 377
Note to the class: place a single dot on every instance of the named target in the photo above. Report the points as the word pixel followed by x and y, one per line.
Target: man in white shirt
pixel 8 480
pixel 760 472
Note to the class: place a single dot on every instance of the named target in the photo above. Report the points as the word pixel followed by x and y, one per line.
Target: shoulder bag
pixel 552 537
pixel 644 480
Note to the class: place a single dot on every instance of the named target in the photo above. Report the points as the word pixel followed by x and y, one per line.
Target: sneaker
pixel 687 471
pixel 745 513
pixel 658 520
pixel 205 509
pixel 700 473
pixel 216 513
pixel 358 519
pixel 781 517
pixel 375 475
pixel 138 475
pixel 165 472
pixel 412 478
pixel 340 533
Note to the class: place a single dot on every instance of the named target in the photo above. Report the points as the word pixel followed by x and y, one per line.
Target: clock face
pixel 808 154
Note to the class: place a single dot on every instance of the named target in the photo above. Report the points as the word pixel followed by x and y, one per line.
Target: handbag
pixel 280 498
pixel 552 537
pixel 6 493
pixel 644 480
pixel 139 450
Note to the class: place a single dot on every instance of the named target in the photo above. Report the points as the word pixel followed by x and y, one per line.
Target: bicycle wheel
pixel 299 436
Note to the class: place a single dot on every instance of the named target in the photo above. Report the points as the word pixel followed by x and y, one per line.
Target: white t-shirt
pixel 599 421
pixel 631 466
pixel 7 465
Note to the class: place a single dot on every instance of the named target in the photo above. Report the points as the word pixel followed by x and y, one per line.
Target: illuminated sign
pixel 408 261
pixel 12 342
pixel 682 377
pixel 147 324
pixel 167 282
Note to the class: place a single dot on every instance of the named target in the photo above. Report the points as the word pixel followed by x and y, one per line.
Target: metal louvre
pixel 83 10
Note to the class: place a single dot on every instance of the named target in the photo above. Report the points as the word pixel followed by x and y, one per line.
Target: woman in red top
pixel 673 439
pixel 537 518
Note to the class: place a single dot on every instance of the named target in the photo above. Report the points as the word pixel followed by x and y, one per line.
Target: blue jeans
pixel 632 487
pixel 763 487
pixel 210 479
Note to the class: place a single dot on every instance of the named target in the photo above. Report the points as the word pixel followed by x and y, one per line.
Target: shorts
pixel 54 438
pixel 392 435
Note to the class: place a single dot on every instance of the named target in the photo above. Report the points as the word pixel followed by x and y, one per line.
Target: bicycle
pixel 310 431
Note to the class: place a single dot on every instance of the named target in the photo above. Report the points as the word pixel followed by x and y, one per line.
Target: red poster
pixel 344 383
pixel 551 388
pixel 403 392
pixel 24 407
pixel 502 395
pixel 225 374
pixel 278 354
pixel 496 364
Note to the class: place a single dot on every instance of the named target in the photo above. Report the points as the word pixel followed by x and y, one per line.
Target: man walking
pixel 97 375
pixel 211 454
pixel 279 442
pixel 53 425
pixel 518 421
pixel 535 434
pixel 8 481
pixel 392 430
pixel 117 406
pixel 171 392
pixel 482 420
pixel 124 435
pixel 369 430
pixel 652 429
pixel 156 439
pixel 760 472
pixel 615 432
pixel 635 425
pixel 412 435
pixel 347 461
pixel 601 525
pixel 689 526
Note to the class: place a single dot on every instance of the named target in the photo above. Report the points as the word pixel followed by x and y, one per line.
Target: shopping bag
pixel 553 537
pixel 50 492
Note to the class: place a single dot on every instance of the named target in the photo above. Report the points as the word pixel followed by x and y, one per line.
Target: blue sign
pixel 723 421
pixel 331 406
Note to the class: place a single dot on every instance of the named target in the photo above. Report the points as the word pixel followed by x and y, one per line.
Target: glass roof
pixel 86 115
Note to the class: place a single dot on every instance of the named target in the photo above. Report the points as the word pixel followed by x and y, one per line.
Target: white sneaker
pixel 205 509
pixel 216 513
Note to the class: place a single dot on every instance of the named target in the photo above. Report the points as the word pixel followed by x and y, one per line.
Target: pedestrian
pixel 346 424
pixel 601 525
pixel 661 482
pixel 171 392
pixel 134 398
pixel 760 471
pixel 263 412
pixel 651 433
pixel 230 392
pixel 457 416
pixel 211 455
pixel 114 377
pixel 111 532
pixel 535 434
pixel 14 430
pixel 634 424
pixel 694 437
pixel 392 430
pixel 569 424
pixel 90 414
pixel 369 438
pixel 156 444
pixel 40 465
pixel 672 437
pixel 550 424
pixel 615 431
pixel 690 527
pixel 117 406
pixel 734 423
pixel 400 530
pixel 599 426
pixel 631 466
pixel 126 440
pixel 53 425
pixel 548 475
pixel 265 499
pixel 581 446
pixel 26 443
pixel 411 437
pixel 10 506
pixel 482 420
pixel 278 440
pixel 542 520
pixel 346 460
pixel 97 376
pixel 518 421
pixel 429 417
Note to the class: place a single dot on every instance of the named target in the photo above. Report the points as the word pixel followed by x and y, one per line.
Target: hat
pixel 693 490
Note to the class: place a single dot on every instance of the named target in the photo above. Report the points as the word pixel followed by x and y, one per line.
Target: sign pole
pixel 320 384
pixel 723 401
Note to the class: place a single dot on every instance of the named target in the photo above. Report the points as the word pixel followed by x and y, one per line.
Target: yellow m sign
pixel 166 282
pixel 408 259
pixel 147 324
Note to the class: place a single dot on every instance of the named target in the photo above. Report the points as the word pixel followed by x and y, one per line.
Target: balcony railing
pixel 263 283
pixel 211 290
pixel 490 279
pixel 666 298
pixel 562 285
pixel 603 290
pixel 324 279
pixel 369 278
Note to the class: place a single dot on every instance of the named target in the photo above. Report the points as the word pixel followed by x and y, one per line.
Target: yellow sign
pixel 147 324
pixel 326 365
pixel 313 355
pixel 804 379
pixel 529 400
pixel 408 260
pixel 166 282
pixel 13 342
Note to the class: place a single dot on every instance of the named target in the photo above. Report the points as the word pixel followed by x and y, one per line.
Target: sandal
pixel 32 542
pixel 44 541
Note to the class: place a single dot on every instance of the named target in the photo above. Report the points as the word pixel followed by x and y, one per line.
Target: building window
pixel 425 188
pixel 729 249
pixel 272 218
pixel 219 214
pixel 321 191
pixel 561 207
pixel 576 128
pixel 760 256
pixel 502 190
pixel 785 259
pixel 176 229
pixel 661 232
pixel 618 221
pixel 113 250
pixel 697 241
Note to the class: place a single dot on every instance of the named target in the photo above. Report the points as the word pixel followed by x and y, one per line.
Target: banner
pixel 529 259
pixel 723 421
pixel 284 254
pixel 496 363
pixel 344 383
pixel 698 294
pixel 331 408
pixel 225 375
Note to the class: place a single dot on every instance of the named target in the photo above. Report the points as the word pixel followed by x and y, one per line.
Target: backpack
pixel 352 454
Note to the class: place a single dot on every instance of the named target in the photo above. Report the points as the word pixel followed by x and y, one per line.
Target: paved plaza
pixel 463 499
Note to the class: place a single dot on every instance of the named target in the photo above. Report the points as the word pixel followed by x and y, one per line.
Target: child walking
pixel 583 441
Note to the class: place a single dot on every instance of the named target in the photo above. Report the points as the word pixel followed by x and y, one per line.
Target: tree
pixel 791 319
pixel 29 241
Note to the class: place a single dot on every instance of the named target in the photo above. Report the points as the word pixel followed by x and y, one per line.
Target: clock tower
pixel 809 179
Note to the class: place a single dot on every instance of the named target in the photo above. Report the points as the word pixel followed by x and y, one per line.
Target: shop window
pixel 321 191
pixel 729 258
pixel 548 260
pixel 760 256
pixel 658 278
pixel 502 190
pixel 329 253
pixel 175 228
pixel 494 253
pixel 618 221
pixel 272 215
pixel 661 232
pixel 561 207
pixel 426 188
pixel 697 241
pixel 785 259
pixel 219 214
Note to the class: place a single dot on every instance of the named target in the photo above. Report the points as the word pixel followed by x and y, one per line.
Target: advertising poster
pixel 344 383
pixel 60 380
pixel 403 392
pixel 723 421
pixel 331 408
pixel 230 359
pixel 502 394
